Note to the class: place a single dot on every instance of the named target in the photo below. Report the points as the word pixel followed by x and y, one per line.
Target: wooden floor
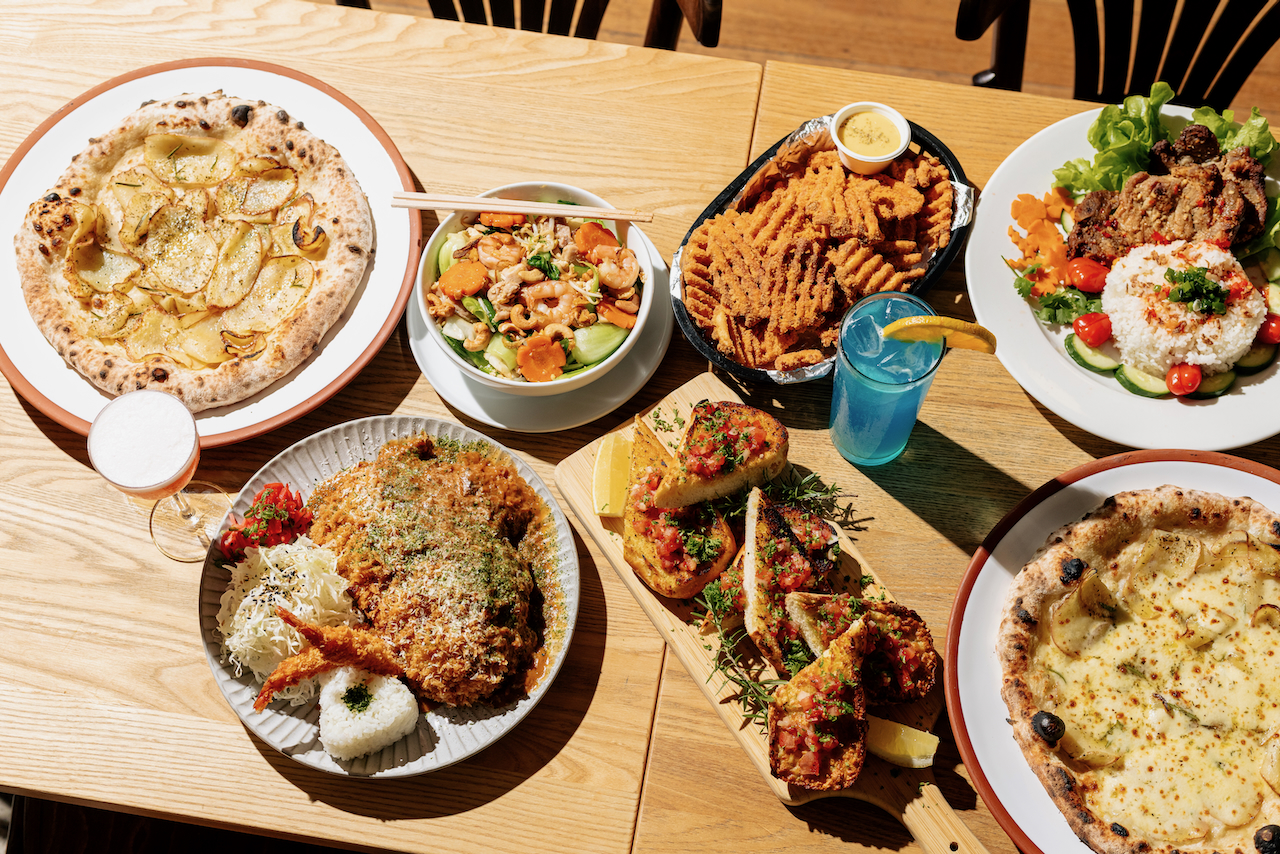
pixel 911 38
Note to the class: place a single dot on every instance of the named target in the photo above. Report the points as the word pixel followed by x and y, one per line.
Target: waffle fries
pixel 769 283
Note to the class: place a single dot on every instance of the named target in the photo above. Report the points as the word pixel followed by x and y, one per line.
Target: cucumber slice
pixel 1088 357
pixel 1273 298
pixel 1214 386
pixel 595 343
pixel 1068 221
pixel 1141 382
pixel 1256 358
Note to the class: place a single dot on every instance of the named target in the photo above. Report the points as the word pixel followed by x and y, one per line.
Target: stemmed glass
pixel 145 444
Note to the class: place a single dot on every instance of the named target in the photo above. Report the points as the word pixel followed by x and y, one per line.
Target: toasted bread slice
pixel 901 664
pixel 725 447
pixel 776 561
pixel 675 552
pixel 818 720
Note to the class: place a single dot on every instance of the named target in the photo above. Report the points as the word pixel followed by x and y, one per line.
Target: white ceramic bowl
pixel 861 163
pixel 627 234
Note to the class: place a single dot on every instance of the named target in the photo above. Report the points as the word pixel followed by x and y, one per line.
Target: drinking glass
pixel 145 444
pixel 879 383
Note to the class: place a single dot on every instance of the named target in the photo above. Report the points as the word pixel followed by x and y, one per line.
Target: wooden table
pixel 981 445
pixel 105 694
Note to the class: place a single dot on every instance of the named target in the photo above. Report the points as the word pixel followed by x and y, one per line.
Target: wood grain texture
pixel 103 683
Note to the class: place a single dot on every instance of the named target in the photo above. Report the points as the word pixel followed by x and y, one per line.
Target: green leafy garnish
pixel 1195 289
pixel 699 546
pixel 1122 136
pixel 1254 133
pixel 543 261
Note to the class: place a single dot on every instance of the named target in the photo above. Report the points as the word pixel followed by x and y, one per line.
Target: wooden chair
pixel 664 19
pixel 1206 61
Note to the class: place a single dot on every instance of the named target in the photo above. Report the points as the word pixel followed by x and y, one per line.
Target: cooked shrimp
pixel 536 293
pixel 331 647
pixel 499 250
pixel 618 265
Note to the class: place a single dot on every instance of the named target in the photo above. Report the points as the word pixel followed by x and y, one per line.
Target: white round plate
pixel 444 735
pixel 1033 353
pixel 555 412
pixel 60 392
pixel 978 715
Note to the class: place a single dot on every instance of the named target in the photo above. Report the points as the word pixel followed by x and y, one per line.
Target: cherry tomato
pixel 1087 275
pixel 1093 329
pixel 1183 379
pixel 1269 332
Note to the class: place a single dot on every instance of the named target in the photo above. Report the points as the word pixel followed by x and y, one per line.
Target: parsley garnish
pixel 1197 290
pixel 701 547
pixel 1062 306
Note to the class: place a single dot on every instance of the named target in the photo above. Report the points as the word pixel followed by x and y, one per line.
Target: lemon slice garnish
pixel 957 333
pixel 899 744
pixel 610 475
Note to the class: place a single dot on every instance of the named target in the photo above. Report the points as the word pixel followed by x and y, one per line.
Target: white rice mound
pixel 303 578
pixel 391 714
pixel 1154 333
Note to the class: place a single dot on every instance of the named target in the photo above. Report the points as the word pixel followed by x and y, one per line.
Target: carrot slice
pixel 541 359
pixel 612 314
pixel 591 235
pixel 463 279
pixel 501 220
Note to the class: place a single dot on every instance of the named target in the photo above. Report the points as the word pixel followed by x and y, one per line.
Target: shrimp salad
pixel 535 299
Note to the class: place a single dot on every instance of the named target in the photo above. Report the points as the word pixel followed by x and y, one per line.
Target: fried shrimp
pixel 331 647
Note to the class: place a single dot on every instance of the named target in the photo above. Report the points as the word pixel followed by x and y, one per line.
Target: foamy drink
pixel 144 443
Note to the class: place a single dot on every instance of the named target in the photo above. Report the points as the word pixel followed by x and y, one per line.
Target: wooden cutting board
pixel 908 794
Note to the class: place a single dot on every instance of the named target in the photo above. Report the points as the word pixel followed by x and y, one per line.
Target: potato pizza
pixel 1139 666
pixel 202 247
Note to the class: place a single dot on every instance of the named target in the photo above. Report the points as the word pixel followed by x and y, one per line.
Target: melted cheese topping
pixel 1162 669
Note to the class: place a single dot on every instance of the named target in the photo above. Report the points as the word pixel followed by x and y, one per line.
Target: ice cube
pixel 862 337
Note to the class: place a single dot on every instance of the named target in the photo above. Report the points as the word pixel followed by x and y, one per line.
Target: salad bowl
pixel 628 235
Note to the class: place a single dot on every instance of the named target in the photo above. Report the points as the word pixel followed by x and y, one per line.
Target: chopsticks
pixel 435 201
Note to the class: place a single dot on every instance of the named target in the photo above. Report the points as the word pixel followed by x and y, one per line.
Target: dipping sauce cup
pixel 879 383
pixel 869 136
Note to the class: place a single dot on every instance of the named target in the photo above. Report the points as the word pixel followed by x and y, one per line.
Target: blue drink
pixel 879 384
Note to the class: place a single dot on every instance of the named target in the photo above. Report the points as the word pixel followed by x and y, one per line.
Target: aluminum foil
pixel 789 156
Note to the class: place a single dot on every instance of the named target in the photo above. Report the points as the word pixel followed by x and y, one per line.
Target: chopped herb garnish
pixel 357 698
pixel 1194 288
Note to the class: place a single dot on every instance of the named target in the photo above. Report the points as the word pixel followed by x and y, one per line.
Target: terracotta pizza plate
pixel 40 375
pixel 978 715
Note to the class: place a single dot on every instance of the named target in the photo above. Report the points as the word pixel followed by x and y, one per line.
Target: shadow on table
pixel 503 766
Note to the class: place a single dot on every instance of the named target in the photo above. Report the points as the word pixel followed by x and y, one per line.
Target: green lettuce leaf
pixel 1122 135
pixel 1255 132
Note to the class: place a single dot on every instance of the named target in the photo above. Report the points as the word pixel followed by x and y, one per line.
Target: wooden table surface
pixel 106 696
pixel 104 690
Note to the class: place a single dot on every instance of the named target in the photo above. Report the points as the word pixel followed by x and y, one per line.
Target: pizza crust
pixel 1109 537
pixel 252 127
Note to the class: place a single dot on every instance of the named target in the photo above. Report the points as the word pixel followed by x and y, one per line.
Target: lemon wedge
pixel 610 475
pixel 956 332
pixel 899 744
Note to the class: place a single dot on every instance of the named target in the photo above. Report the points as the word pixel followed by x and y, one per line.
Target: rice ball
pixel 361 712
pixel 1154 333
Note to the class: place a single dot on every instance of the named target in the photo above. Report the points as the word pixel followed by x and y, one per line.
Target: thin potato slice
pixel 137 180
pixel 149 334
pixel 189 161
pixel 138 213
pixel 238 264
pixel 110 312
pixel 182 254
pixel 270 191
pixel 281 285
pixel 102 269
pixel 203 340
pixel 231 198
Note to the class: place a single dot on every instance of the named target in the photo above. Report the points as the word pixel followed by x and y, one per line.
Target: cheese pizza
pixel 1139 652
pixel 203 247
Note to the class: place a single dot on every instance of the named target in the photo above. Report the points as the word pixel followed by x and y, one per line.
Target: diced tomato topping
pixel 808 764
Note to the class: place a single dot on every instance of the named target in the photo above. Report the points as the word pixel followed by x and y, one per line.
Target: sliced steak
pixel 1095 233
pixel 1241 171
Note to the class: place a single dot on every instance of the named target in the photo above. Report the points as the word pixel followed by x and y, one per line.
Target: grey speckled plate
pixel 444 735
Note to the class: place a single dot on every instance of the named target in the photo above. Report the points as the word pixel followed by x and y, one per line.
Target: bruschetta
pixel 818 720
pixel 901 663
pixel 725 447
pixel 676 552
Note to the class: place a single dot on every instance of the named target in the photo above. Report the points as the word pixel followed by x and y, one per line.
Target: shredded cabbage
pixel 304 579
